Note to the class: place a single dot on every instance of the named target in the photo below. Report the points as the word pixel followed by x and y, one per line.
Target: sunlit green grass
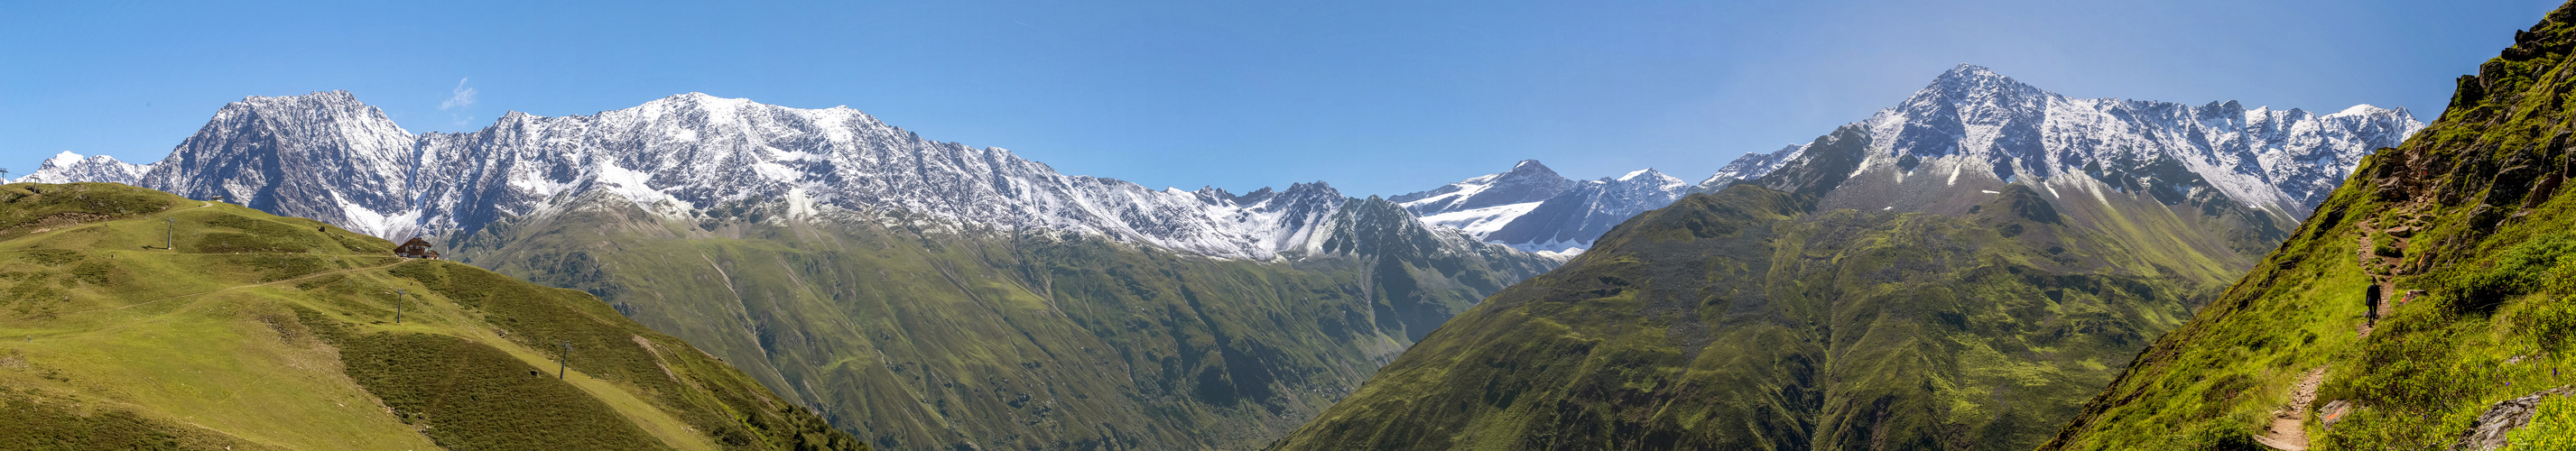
pixel 1738 320
pixel 249 333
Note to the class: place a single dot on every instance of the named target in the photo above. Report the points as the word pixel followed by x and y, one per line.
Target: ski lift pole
pixel 398 304
pixel 565 362
pixel 167 231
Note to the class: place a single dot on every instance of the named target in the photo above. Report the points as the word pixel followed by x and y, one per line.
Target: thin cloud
pixel 464 97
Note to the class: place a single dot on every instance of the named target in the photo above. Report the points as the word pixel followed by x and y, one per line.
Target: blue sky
pixel 1374 98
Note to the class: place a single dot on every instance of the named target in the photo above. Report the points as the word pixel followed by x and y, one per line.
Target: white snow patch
pixel 1567 254
pixel 773 171
pixel 1477 223
pixel 374 223
pixel 630 183
pixel 1567 248
pixel 799 205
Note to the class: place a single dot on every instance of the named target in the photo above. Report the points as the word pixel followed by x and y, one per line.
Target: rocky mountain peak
pixel 1527 181
pixel 1530 169
pixel 318 107
pixel 1646 176
pixel 1971 86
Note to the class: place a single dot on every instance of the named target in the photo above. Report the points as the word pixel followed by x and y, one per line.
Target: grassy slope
pixel 918 336
pixel 1738 321
pixel 2492 256
pixel 261 332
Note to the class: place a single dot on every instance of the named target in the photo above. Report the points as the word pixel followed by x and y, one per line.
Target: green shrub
pixel 2533 266
pixel 2220 436
pixel 26 424
pixel 2548 322
pixel 472 396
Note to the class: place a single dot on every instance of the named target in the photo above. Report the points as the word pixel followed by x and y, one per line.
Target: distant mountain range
pixel 1973 122
pixel 1962 271
pixel 327 156
pixel 919 294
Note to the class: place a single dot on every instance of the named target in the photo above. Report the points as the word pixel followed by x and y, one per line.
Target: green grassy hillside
pixel 262 332
pixel 921 333
pixel 1744 320
pixel 2437 283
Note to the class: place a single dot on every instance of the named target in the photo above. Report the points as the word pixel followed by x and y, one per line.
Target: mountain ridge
pixel 1973 121
pixel 675 156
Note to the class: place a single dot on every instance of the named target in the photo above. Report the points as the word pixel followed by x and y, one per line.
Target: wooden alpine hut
pixel 416 248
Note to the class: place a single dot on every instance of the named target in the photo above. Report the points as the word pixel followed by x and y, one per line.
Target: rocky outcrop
pixel 2489 431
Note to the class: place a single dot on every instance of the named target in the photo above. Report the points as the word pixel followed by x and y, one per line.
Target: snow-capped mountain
pixel 1478 206
pixel 1752 166
pixel 1538 210
pixel 1975 123
pixel 1991 130
pixel 1528 181
pixel 69 167
pixel 1572 219
pixel 327 156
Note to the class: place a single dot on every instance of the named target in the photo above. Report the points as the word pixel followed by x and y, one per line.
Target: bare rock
pixel 2488 433
pixel 2335 412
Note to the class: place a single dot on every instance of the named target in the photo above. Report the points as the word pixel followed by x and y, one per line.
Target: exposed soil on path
pixel 2289 431
pixel 2383 295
